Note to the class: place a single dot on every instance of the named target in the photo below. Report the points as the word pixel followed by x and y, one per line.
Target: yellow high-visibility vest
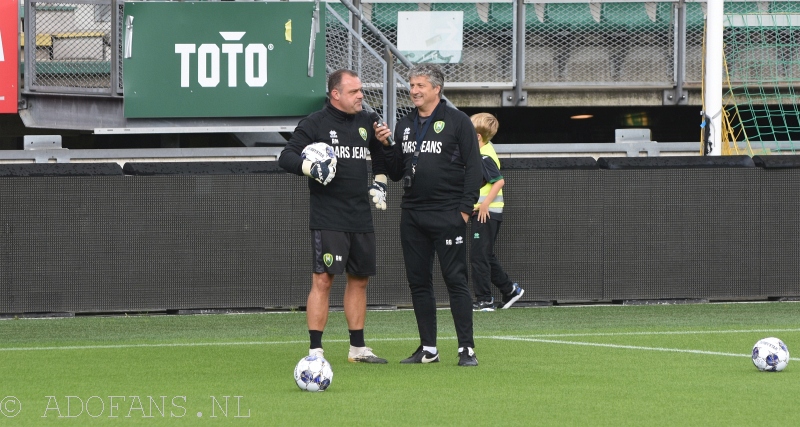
pixel 497 204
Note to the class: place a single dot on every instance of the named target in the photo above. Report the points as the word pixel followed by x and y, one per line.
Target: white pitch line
pixel 614 334
pixel 196 344
pixel 628 347
pixel 533 338
pixel 121 346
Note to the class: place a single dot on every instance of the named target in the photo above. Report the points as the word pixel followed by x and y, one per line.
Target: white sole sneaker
pixel 363 355
pixel 515 299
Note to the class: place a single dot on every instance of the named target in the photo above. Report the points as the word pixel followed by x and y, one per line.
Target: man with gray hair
pixel 438 161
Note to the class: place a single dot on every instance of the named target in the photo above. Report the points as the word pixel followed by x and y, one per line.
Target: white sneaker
pixel 363 355
pixel 316 352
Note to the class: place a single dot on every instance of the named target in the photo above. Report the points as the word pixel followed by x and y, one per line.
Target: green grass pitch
pixel 579 365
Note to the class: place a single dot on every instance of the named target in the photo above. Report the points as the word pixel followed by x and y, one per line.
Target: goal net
pixel 761 114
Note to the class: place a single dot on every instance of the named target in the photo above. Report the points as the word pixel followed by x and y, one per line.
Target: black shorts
pixel 335 252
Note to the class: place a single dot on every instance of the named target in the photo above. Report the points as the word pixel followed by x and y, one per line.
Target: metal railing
pixel 122 156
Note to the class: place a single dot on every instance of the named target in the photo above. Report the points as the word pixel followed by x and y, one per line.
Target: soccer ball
pixel 770 354
pixel 318 152
pixel 313 373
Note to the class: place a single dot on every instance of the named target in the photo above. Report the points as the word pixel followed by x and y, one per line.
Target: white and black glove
pixel 377 192
pixel 323 172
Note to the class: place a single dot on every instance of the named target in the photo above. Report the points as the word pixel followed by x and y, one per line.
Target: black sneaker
pixel 422 356
pixel 483 305
pixel 510 299
pixel 466 357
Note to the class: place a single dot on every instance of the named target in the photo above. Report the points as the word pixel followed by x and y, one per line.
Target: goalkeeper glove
pixel 322 172
pixel 378 192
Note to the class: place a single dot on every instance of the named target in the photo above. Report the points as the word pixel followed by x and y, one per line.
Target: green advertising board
pixel 223 59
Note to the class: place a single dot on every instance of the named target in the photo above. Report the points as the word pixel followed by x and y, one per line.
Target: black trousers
pixel 486 269
pixel 443 233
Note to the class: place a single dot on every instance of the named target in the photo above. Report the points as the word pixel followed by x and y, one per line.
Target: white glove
pixel 378 192
pixel 322 172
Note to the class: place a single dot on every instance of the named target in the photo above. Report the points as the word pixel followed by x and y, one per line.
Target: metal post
pixel 390 92
pixel 681 59
pixel 517 97
pixel 355 24
pixel 114 42
pixel 21 55
pixel 519 60
pixel 30 45
pixel 679 96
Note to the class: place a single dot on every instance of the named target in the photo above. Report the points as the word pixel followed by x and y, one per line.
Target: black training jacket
pixel 343 204
pixel 448 174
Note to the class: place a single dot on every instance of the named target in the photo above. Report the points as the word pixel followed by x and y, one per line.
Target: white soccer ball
pixel 770 354
pixel 313 373
pixel 318 152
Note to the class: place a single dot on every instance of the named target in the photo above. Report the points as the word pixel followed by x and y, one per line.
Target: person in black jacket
pixel 437 158
pixel 342 235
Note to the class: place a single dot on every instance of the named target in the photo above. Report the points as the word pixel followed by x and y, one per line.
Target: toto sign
pixel 222 59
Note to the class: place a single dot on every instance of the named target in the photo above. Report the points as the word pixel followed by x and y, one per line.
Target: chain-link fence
pixel 566 44
pixel 69 47
pixel 599 44
pixel 695 34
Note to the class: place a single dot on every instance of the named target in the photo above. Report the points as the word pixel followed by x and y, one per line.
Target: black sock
pixel 316 338
pixel 357 337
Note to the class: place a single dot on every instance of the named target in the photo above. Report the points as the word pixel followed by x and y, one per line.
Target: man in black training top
pixel 342 236
pixel 437 158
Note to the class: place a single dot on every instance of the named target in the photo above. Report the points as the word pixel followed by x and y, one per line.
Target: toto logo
pixel 207 58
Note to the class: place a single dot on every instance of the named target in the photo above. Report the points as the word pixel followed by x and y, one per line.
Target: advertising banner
pixel 223 59
pixel 431 36
pixel 9 61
